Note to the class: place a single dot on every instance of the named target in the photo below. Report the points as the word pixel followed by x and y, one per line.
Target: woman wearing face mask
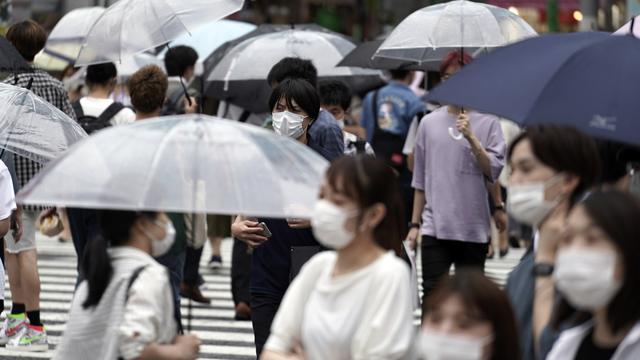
pixel 598 275
pixel 551 168
pixel 295 104
pixel 124 308
pixel 354 302
pixel 468 318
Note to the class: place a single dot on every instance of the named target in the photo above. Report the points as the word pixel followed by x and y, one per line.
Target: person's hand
pixel 248 231
pixel 299 223
pixel 190 109
pixel 412 237
pixel 16 224
pixel 463 126
pixel 550 233
pixel 501 219
pixel 297 353
pixel 188 346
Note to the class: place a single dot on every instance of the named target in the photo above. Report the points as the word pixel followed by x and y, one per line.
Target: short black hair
pixel 399 74
pixel 293 68
pixel 101 74
pixel 564 149
pixel 335 92
pixel 617 214
pixel 178 59
pixel 614 157
pixel 300 91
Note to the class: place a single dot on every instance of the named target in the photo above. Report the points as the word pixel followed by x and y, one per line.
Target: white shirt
pixel 566 347
pixel 366 314
pixel 7 196
pixel 94 107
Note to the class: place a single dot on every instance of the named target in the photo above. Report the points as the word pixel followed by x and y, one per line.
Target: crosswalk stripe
pixel 222 337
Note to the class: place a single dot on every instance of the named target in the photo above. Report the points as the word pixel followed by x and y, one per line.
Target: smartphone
pixel 265 230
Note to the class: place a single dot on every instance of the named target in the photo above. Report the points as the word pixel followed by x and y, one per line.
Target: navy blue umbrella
pixel 589 80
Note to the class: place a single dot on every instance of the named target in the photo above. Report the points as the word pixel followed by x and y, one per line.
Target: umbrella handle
pixel 633 21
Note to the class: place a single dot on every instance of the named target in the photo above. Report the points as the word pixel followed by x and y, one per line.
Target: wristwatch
pixel 413 225
pixel 499 206
pixel 543 269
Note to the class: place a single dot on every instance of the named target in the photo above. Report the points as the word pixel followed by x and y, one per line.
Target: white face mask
pixel 328 224
pixel 436 345
pixel 526 202
pixel 586 278
pixel 161 246
pixel 288 124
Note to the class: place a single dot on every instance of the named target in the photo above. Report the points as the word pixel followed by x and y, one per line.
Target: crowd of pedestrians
pixel 405 175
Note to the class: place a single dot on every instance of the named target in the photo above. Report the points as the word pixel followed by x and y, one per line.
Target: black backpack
pixel 92 123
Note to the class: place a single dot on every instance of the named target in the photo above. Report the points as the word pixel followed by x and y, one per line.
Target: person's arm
pixel 418 184
pixel 499 212
pixel 419 202
pixel 185 347
pixel 477 149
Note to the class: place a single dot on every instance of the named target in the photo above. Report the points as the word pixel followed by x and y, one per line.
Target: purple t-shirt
pixel 447 171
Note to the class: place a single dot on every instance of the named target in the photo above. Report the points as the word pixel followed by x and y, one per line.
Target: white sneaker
pixel 30 339
pixel 12 326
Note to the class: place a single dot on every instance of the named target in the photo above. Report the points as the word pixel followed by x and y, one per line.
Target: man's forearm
pixel 481 155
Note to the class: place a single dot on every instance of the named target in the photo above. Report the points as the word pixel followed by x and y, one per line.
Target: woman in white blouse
pixel 125 307
pixel 354 302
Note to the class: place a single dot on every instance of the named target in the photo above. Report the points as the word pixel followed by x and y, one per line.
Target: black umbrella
pixel 252 95
pixel 10 59
pixel 362 56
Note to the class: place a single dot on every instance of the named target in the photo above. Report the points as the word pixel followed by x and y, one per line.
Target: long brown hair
pixel 369 181
pixel 481 294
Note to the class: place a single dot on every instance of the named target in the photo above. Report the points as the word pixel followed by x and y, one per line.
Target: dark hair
pixel 335 92
pixel 300 91
pixel 148 88
pixel 101 74
pixel 481 294
pixel 293 68
pixel 614 158
pixel 28 37
pixel 399 74
pixel 453 58
pixel 617 214
pixel 565 149
pixel 115 229
pixel 370 181
pixel 178 59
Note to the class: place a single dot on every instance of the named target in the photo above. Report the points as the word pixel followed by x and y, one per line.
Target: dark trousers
pixel 192 266
pixel 84 227
pixel 438 255
pixel 240 272
pixel 175 264
pixel 263 310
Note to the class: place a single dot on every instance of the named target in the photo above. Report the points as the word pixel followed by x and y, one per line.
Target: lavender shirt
pixel 447 171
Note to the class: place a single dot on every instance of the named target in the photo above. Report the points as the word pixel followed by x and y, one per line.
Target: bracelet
pixel 413 225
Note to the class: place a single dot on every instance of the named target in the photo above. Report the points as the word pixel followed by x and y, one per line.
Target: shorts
pixel 218 226
pixel 28 241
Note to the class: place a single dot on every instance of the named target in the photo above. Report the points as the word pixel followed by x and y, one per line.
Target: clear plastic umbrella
pixel 428 34
pixel 131 26
pixel 32 127
pixel 70 32
pixel 185 163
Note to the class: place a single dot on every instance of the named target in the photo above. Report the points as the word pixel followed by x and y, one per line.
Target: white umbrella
pixel 428 34
pixel 186 163
pixel 131 26
pixel 70 32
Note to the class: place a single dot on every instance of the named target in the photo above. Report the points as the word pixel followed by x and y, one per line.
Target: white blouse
pixel 366 314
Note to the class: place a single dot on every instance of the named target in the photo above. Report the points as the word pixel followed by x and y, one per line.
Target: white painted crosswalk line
pixel 222 337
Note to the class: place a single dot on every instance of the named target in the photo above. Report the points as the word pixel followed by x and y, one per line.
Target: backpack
pixel 91 124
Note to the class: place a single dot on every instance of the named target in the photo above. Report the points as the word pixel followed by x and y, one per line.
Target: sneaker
pixel 216 262
pixel 12 326
pixel 34 338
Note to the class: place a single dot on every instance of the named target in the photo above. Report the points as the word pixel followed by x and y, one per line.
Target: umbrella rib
pixel 175 15
pixel 121 29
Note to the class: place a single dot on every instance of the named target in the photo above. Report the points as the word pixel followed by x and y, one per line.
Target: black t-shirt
pixel 588 350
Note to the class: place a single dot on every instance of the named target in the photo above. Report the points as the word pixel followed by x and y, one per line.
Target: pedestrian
pixel 20 251
pixel 387 114
pixel 7 211
pixel 335 97
pixel 598 276
pixel 180 64
pixel 551 169
pixel 325 136
pixel 468 317
pixel 353 302
pixel 124 308
pixel 277 243
pixel 451 177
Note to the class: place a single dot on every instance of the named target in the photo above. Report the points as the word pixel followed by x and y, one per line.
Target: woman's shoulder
pixel 391 267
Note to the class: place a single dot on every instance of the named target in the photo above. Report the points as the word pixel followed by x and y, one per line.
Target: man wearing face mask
pixel 552 167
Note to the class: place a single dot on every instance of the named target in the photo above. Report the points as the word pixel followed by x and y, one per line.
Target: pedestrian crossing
pixel 222 337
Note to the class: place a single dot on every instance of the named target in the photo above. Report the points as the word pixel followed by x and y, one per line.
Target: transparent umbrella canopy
pixel 71 31
pixel 428 34
pixel 32 127
pixel 131 26
pixel 185 163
